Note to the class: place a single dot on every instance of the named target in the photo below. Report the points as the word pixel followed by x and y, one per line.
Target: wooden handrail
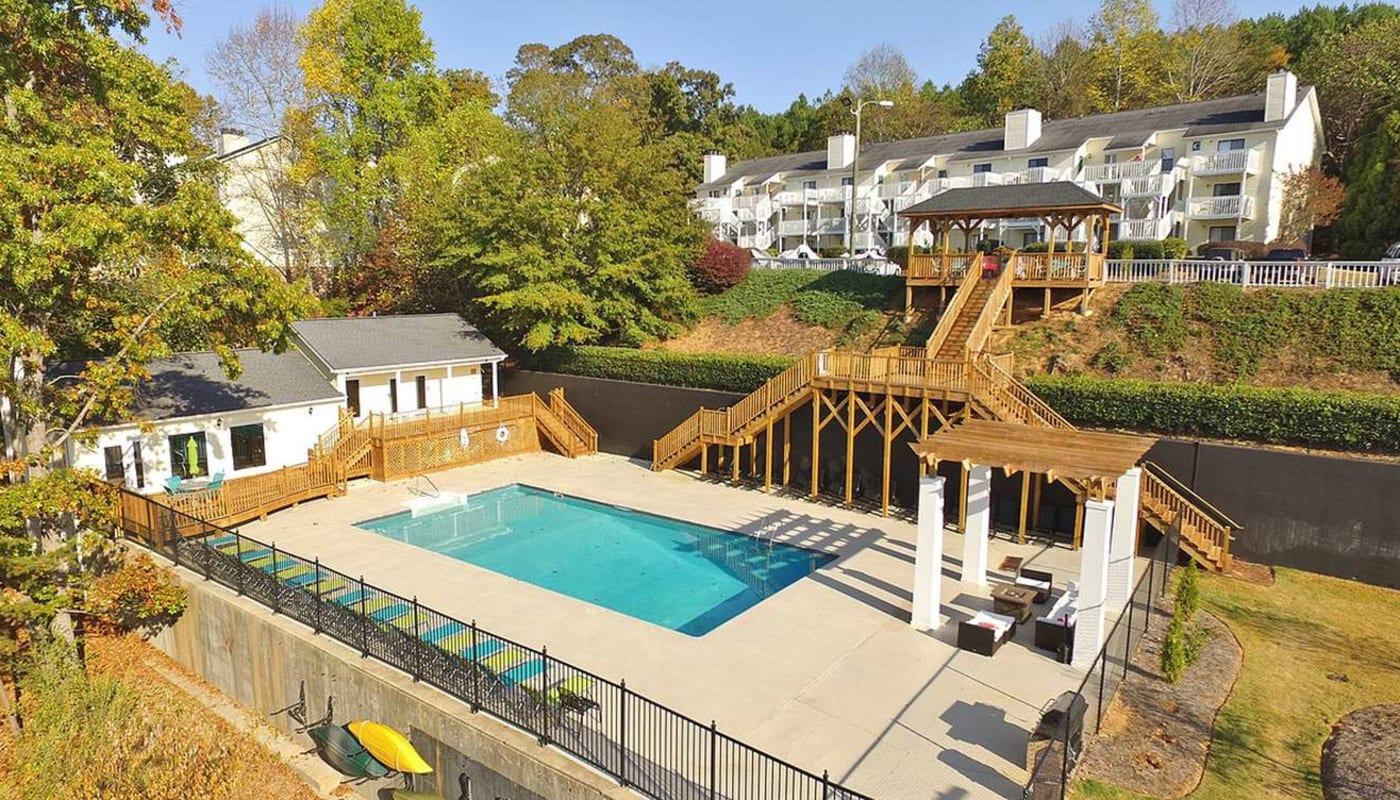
pixel 950 314
pixel 991 309
pixel 1024 404
pixel 573 420
pixel 1198 527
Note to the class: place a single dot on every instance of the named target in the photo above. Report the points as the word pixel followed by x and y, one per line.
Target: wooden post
pixel 1045 310
pixel 734 467
pixel 962 498
pixel 704 458
pixel 753 456
pixel 787 448
pixel 885 482
pixel 1025 496
pixel 1035 500
pixel 816 437
pixel 768 460
pixel 850 444
pixel 1078 520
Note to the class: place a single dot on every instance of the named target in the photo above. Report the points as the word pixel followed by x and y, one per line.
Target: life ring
pixel 502 434
pixel 463 439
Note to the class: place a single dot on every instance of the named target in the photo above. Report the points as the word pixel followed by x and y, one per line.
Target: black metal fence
pixel 1050 774
pixel 641 743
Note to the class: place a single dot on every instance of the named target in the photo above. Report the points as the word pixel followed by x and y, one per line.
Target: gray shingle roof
pixel 190 384
pixel 1019 196
pixel 390 341
pixel 1124 128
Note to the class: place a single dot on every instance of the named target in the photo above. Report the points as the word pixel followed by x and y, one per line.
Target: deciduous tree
pixel 1357 74
pixel 1127 50
pixel 1007 76
pixel 1311 198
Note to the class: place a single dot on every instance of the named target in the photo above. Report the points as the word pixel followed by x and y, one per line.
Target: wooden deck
pixel 1030 270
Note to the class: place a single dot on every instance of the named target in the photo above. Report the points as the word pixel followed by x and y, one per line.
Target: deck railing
pixel 1202 526
pixel 573 420
pixel 940 267
pixel 641 743
pixel 990 311
pixel 1272 274
pixel 990 381
pixel 240 499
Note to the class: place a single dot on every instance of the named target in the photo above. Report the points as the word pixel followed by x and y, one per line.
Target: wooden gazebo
pixel 1058 205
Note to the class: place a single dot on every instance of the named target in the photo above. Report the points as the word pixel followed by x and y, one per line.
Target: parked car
pixel 1223 254
pixel 1392 253
pixel 1286 254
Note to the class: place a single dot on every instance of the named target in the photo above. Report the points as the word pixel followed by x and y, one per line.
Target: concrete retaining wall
pixel 263 661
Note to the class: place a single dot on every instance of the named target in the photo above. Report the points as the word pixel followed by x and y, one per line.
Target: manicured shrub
pixel 899 254
pixel 1188 592
pixel 1173 659
pixel 726 371
pixel 1037 247
pixel 1174 247
pixel 1310 418
pixel 1120 250
pixel 721 266
pixel 835 251
pixel 1147 250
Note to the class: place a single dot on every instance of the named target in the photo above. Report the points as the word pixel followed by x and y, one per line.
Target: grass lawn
pixel 1269 735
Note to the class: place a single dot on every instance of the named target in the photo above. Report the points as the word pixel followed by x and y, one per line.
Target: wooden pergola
pixel 1057 205
pixel 1087 462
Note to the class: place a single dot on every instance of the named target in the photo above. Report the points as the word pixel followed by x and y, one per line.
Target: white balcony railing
pixel 1121 170
pixel 1229 206
pixel 796 227
pixel 1227 162
pixel 1144 228
pixel 985 179
pixel 1034 175
pixel 1158 185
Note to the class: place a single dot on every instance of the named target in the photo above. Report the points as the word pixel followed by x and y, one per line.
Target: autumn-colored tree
pixel 1007 76
pixel 1311 198
pixel 1127 54
pixel 1204 51
pixel 721 266
pixel 1357 74
pixel 1067 73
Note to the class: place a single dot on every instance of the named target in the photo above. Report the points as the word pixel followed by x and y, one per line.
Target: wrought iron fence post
pixel 1151 584
pixel 1064 748
pixel 714 735
pixel 364 622
pixel 317 628
pixel 207 554
pixel 238 546
pixel 1128 639
pixel 544 697
pixel 1098 707
pixel 622 737
pixel 475 672
pixel 826 784
pixel 276 595
pixel 417 645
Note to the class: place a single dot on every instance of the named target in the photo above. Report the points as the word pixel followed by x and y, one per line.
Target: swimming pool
pixel 686 577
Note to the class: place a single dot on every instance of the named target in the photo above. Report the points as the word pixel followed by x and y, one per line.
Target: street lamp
pixel 859 106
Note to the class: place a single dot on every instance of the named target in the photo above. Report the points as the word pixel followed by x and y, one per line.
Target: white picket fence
pixel 873 266
pixel 1300 274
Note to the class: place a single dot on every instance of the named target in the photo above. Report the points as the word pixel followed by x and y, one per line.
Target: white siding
pixel 464 386
pixel 288 433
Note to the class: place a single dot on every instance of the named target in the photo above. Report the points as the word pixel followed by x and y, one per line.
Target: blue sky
pixel 770 50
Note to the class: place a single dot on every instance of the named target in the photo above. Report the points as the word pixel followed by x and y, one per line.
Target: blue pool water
pixel 686 577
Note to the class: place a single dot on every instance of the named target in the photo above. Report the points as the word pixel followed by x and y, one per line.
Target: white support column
pixel 1093 581
pixel 928 555
pixel 979 525
pixel 495 386
pixel 1123 542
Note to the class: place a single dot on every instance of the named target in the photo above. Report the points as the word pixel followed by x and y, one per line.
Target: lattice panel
pixel 404 458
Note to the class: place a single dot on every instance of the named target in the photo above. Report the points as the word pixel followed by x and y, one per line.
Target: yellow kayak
pixel 389 747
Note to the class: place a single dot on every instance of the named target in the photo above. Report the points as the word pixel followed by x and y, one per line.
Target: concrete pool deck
pixel 827 673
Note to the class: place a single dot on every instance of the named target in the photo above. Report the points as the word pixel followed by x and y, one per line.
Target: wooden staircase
pixel 564 427
pixel 1205 532
pixel 953 360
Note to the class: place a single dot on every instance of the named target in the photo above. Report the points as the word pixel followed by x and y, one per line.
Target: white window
pixel 1226 145
pixel 1222 233
pixel 809 184
pixel 978 168
pixel 1037 162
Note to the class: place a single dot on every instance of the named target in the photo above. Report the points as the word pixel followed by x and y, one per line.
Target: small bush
pixel 721 266
pixel 1120 250
pixel 1188 593
pixel 899 254
pixel 1174 247
pixel 1154 315
pixel 1174 662
pixel 835 251
pixel 1147 250
pixel 138 595
pixel 1112 358
pixel 1037 247
pixel 825 309
pixel 1195 642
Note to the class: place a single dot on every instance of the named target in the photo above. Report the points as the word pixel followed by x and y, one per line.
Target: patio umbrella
pixel 192 455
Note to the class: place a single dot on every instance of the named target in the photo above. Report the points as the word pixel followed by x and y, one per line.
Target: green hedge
pixel 1327 420
pixel 732 372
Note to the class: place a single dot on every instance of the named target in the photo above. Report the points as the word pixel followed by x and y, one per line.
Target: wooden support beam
pixel 787 448
pixel 735 466
pixel 1035 500
pixel 850 446
pixel 1045 310
pixel 1025 496
pixel 885 479
pixel 704 454
pixel 962 499
pixel 768 461
pixel 1078 521
pixel 816 437
pixel 753 456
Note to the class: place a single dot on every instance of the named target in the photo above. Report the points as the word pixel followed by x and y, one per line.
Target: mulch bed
pixel 1361 759
pixel 1249 572
pixel 1156 735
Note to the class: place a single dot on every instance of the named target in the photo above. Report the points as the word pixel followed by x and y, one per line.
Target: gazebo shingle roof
pixel 1021 199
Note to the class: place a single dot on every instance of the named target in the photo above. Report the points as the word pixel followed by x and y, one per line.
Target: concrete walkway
pixel 827 673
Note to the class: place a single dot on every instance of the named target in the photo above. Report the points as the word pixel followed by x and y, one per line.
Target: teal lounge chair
pixel 172 484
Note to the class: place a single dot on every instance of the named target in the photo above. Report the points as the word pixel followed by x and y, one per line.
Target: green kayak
pixel 343 751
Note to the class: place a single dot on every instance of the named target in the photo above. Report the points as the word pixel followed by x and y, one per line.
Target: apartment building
pixel 253 189
pixel 1205 171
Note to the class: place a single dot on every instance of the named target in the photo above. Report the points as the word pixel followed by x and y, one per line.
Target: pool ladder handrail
pixel 414 490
